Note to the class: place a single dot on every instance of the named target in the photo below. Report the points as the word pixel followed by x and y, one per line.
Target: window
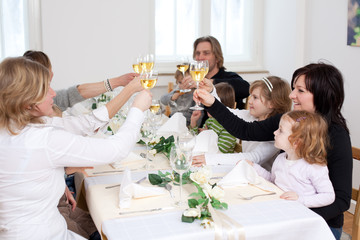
pixel 233 22
pixel 19 27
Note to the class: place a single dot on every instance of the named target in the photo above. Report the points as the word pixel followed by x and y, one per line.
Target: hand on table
pixel 199 160
pixel 289 196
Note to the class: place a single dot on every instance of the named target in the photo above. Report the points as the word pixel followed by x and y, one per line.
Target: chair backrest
pixel 167 108
pixel 356 196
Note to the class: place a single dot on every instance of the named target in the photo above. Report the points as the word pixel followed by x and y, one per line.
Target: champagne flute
pixel 147 63
pixel 181 157
pixel 136 65
pixel 183 65
pixel 198 70
pixel 148 80
pixel 155 114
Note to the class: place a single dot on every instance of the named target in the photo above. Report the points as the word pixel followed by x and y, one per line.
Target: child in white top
pixel 301 171
pixel 268 96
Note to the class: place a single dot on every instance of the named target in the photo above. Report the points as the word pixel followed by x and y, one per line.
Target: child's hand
pixel 207 84
pixel 290 196
pixel 203 96
pixel 175 96
pixel 199 160
pixel 194 118
pixel 250 162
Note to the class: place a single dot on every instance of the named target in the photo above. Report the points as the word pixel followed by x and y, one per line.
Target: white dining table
pixel 267 217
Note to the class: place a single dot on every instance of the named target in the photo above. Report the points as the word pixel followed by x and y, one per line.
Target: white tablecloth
pixel 271 219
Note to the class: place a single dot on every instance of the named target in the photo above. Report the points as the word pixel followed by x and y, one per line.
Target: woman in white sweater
pixel 268 96
pixel 34 154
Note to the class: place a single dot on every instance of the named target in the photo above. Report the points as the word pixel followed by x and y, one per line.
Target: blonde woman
pixel 34 154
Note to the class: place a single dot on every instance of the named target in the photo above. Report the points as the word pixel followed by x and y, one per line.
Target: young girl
pixel 268 96
pixel 180 101
pixel 301 171
pixel 226 141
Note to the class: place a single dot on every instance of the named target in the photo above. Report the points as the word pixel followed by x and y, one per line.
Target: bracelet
pixel 107 85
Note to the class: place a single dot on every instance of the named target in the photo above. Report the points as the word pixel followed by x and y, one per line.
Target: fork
pixel 169 187
pixel 257 195
pixel 117 185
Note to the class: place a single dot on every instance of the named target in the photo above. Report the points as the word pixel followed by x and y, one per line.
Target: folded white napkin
pixel 175 124
pixel 129 190
pixel 206 142
pixel 132 160
pixel 242 174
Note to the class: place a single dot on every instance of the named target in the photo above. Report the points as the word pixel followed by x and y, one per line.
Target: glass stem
pixel 180 181
pixel 197 87
pixel 147 156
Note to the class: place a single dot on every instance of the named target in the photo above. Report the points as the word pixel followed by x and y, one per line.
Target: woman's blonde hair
pixel 23 84
pixel 309 135
pixel 278 95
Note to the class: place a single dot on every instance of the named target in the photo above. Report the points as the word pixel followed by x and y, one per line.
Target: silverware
pixel 117 185
pixel 258 195
pixel 112 171
pixel 147 210
pixel 169 187
pixel 143 155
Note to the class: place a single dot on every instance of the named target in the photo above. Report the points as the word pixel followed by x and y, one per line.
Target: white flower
pixel 155 140
pixel 202 176
pixel 193 212
pixel 215 192
pixel 207 223
pixel 152 151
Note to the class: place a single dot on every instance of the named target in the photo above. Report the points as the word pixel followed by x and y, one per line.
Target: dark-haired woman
pixel 316 88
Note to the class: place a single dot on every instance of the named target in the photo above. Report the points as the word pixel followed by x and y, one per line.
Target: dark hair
pixel 39 57
pixel 326 84
pixel 216 48
pixel 226 94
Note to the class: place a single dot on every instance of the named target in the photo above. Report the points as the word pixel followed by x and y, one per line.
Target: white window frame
pixel 253 65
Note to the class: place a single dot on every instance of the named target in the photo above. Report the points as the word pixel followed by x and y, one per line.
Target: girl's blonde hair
pixel 278 96
pixel 309 135
pixel 23 84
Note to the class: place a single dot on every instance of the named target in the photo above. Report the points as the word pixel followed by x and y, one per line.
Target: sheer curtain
pixel 20 27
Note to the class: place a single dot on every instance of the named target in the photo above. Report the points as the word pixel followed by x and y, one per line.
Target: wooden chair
pixel 167 108
pixel 356 197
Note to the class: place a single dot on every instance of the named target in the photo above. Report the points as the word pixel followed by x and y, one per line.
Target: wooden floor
pixel 348 219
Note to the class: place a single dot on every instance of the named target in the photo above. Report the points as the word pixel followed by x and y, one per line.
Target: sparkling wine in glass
pixel 182 64
pixel 136 65
pixel 148 80
pixel 198 70
pixel 147 63
pixel 181 158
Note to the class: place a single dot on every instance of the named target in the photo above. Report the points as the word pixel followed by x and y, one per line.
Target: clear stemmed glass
pixel 147 63
pixel 136 65
pixel 148 79
pixel 182 64
pixel 146 136
pixel 155 114
pixel 198 70
pixel 181 157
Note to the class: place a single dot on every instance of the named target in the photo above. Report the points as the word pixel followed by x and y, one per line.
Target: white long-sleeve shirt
pixel 32 173
pixel 262 153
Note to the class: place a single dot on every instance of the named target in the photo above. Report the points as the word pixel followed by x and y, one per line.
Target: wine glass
pixel 182 64
pixel 136 65
pixel 148 79
pixel 181 157
pixel 147 62
pixel 198 70
pixel 146 136
pixel 155 114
